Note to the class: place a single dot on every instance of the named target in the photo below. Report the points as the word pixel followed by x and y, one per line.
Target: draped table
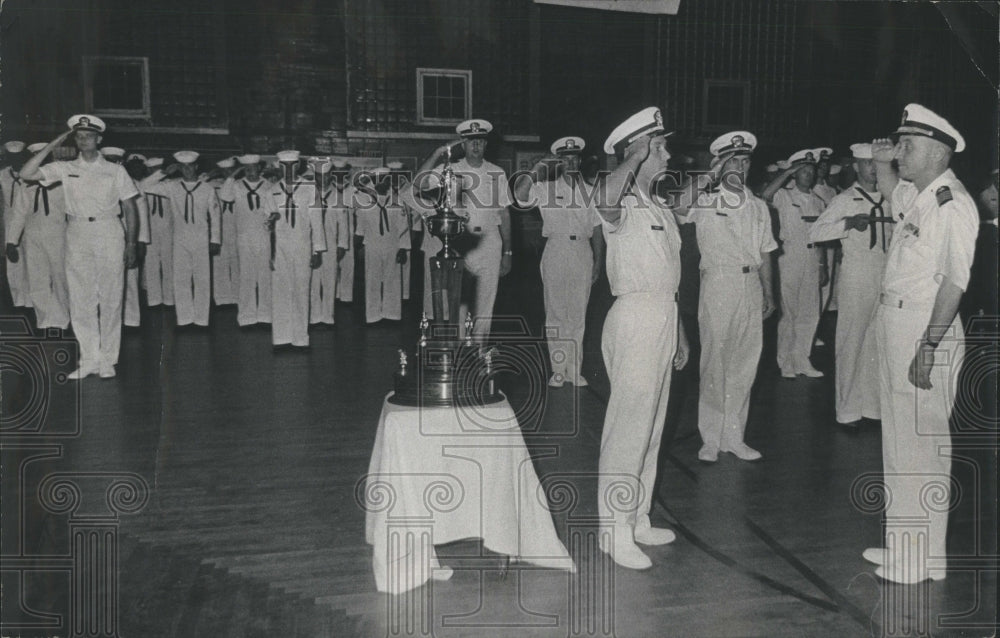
pixel 441 474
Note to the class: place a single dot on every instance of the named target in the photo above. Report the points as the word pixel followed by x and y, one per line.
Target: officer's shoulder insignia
pixel 943 195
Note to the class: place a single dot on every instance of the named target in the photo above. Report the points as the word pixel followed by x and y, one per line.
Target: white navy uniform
pixel 568 221
pixel 226 265
pixel 864 255
pixel 827 193
pixel 133 317
pixel 345 276
pixel 253 245
pixel 196 224
pixel 733 239
pixel 337 209
pixel 483 195
pixel 17 273
pixel 39 225
pixel 798 267
pixel 95 248
pixel 158 265
pixel 382 222
pixel 298 234
pixel 638 342
pixel 934 238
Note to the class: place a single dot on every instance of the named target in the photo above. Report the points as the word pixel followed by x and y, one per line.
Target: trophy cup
pixel 446 370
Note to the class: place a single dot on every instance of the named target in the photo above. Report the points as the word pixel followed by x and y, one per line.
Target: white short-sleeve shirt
pixel 732 230
pixel 92 189
pixel 644 248
pixel 565 209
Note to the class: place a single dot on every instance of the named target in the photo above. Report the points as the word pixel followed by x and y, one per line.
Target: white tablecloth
pixel 439 475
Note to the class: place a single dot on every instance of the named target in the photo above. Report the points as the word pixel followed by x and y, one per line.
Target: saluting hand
pixel 883 150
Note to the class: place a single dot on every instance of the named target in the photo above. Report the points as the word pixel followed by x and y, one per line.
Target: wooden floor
pixel 252 526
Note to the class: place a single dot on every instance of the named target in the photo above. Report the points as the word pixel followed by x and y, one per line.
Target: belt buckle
pixel 746 269
pixel 572 237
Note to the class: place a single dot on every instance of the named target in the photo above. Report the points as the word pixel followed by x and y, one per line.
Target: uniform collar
pixel 944 179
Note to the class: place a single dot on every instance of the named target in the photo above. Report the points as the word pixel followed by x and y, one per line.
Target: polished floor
pixel 252 460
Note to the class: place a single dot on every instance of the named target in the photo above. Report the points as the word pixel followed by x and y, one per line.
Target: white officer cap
pixel 14 146
pixel 737 142
pixel 920 120
pixel 861 150
pixel 474 129
pixel 186 157
pixel 226 163
pixel 340 165
pixel 153 162
pixel 568 145
pixel 805 156
pixel 394 165
pixel 823 153
pixel 86 123
pixel 288 156
pixel 834 169
pixel 648 121
pixel 112 151
pixel 37 146
pixel 136 156
pixel 248 159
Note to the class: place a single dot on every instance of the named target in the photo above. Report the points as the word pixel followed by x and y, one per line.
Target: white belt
pixel 898 302
pixel 78 218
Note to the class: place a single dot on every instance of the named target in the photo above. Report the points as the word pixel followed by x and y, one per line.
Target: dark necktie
pixel 383 218
pixel 289 204
pixel 189 202
pixel 13 187
pixel 155 204
pixel 42 193
pixel 876 211
pixel 253 199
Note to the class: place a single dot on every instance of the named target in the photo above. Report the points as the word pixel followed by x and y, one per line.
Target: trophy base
pixel 446 374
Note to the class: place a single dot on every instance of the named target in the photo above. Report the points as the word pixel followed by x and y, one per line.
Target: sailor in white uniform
pixel 336 202
pixel 242 192
pixel 158 270
pixel 383 223
pixel 10 184
pixel 860 218
pixel 226 265
pixel 920 339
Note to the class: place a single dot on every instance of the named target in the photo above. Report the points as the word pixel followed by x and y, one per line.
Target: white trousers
pixel 226 266
pixel 323 291
pixel 345 278
pixel 132 314
pixel 192 282
pixel 290 294
pixel 639 341
pixel 798 269
pixel 255 283
pixel 45 259
pixel 566 270
pixel 480 280
pixel 95 277
pixel 17 273
pixel 915 438
pixel 730 321
pixel 383 282
pixel 158 265
pixel 855 350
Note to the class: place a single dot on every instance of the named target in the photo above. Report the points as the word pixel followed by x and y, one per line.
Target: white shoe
pixel 654 536
pixel 742 451
pixel 708 454
pixel 626 553
pixel 81 372
pixel 557 381
pixel 442 573
pixel 904 575
pixel 876 555
pixel 579 381
pixel 811 372
pixel 107 372
pixel 788 374
pixel 820 342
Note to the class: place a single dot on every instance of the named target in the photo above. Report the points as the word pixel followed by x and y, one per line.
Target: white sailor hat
pixel 379 172
pixel 823 153
pixel 568 145
pixel 394 165
pixel 648 121
pixel 248 159
pixel 153 162
pixel 834 169
pixel 14 146
pixel 112 151
pixel 86 123
pixel 474 129
pixel 186 157
pixel 920 120
pixel 340 165
pixel 320 163
pixel 805 156
pixel 782 164
pixel 862 150
pixel 288 156
pixel 226 163
pixel 37 146
pixel 136 156
pixel 736 142
pixel 771 168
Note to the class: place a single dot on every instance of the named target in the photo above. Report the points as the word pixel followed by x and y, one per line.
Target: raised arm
pixel 883 152
pixel 614 186
pixel 777 183
pixel 30 169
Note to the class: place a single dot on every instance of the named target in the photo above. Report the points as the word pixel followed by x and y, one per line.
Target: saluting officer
pixel 573 252
pixel 484 195
pixel 39 211
pixel 858 218
pixel 98 248
pixel 800 264
pixel 735 241
pixel 242 192
pixel 926 271
pixel 642 335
